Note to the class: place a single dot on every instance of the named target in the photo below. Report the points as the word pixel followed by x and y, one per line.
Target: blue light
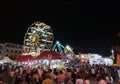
pixel 59 47
pixel 57 42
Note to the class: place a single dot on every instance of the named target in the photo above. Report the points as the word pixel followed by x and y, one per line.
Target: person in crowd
pixel 40 71
pixel 47 80
pixel 108 79
pixel 73 75
pixel 79 79
pixel 52 76
pixel 61 79
pixel 11 78
pixel 69 81
pixel 102 79
pixel 68 73
pixel 28 78
pixel 86 80
pixel 93 72
pixel 1 81
pixel 35 77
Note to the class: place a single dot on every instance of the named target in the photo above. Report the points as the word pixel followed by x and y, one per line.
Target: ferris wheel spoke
pixel 49 41
pixel 29 34
pixel 33 28
pixel 27 40
pixel 49 33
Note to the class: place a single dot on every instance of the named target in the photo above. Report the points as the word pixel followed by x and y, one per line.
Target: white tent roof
pixel 6 60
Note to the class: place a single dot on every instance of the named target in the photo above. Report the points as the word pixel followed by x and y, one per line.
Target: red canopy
pixel 25 58
pixel 49 55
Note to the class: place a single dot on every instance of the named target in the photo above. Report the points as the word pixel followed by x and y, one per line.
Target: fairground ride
pixel 38 38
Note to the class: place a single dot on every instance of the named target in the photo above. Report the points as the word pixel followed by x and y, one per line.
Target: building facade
pixel 116 49
pixel 10 50
pixel 2 47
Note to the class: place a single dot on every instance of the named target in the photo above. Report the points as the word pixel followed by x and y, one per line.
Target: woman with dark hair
pixel 108 79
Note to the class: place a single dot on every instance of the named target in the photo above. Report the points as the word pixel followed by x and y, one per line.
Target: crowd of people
pixel 83 74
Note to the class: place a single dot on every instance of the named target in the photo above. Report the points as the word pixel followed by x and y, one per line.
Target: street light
pixel 112 56
pixel 49 59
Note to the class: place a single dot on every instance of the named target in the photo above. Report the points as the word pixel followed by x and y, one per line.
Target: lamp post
pixel 112 56
pixel 49 59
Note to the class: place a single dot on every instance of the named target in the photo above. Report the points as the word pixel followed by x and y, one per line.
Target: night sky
pixel 87 26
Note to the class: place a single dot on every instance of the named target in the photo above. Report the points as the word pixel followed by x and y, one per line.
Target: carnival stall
pixel 95 59
pixel 6 60
pixel 50 59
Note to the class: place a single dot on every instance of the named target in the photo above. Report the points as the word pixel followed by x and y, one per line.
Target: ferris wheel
pixel 38 37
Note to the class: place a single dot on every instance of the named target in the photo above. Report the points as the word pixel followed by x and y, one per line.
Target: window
pixel 20 52
pixel 7 50
pixel 0 47
pixel 12 46
pixel 11 51
pixel 16 51
pixel 8 45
